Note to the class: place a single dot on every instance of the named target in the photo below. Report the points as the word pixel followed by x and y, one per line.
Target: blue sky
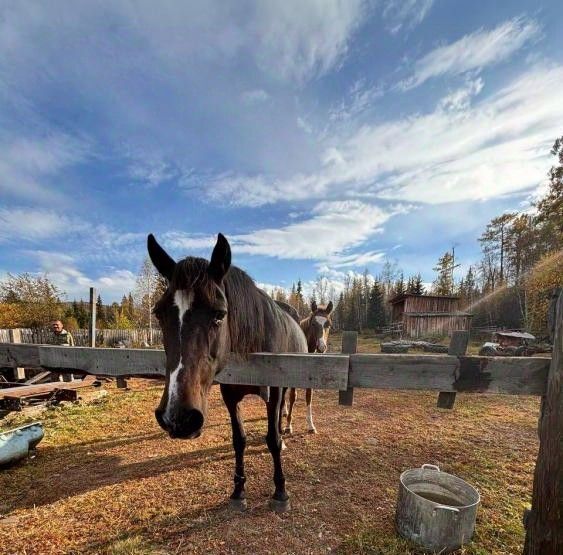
pixel 318 136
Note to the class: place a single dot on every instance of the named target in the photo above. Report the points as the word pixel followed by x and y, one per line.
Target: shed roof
pixel 403 296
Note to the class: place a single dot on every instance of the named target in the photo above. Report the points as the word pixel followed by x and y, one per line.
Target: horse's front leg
pixel 309 400
pixel 280 500
pixel 292 397
pixel 232 399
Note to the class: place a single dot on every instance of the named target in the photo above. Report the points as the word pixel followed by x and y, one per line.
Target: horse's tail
pixel 289 309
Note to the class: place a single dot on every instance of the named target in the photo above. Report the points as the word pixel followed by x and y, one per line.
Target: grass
pixel 107 480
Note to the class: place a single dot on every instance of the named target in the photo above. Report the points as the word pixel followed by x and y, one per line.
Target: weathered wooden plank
pixel 458 343
pixel 104 362
pixel 288 370
pixel 44 388
pixel 446 399
pixel 15 336
pixel 457 347
pixel 349 346
pixel 92 321
pixel 23 355
pixel 511 375
pixel 544 523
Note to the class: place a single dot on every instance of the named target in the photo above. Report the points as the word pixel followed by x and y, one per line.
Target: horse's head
pixel 319 326
pixel 193 316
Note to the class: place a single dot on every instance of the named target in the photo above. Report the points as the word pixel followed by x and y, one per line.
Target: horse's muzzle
pixel 185 424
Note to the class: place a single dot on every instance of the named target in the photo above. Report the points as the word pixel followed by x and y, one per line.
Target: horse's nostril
pixel 159 414
pixel 192 420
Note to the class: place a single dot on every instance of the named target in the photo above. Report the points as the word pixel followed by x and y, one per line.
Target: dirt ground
pixel 106 479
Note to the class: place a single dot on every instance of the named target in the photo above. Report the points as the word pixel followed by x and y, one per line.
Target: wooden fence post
pixel 349 347
pixel 16 337
pixel 92 326
pixel 458 347
pixel 544 523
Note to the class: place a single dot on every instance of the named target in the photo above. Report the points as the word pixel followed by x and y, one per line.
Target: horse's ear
pixel 162 261
pixel 313 306
pixel 329 308
pixel 220 259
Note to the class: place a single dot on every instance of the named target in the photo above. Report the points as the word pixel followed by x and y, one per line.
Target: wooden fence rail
pixel 472 374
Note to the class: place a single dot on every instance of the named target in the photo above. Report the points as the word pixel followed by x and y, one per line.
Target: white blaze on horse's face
pixel 321 342
pixel 183 300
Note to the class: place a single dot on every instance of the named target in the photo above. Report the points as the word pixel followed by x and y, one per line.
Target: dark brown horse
pixel 209 310
pixel 316 328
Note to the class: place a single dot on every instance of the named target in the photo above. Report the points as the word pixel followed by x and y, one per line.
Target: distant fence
pixel 108 338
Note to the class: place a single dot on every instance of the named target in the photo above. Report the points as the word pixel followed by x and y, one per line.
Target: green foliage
pixel 444 283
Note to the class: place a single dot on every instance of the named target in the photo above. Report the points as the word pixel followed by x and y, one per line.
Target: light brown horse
pixel 316 328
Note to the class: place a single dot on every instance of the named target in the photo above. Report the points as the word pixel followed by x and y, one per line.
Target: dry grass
pixel 107 480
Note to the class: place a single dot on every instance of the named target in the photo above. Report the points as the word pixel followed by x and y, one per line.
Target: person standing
pixel 62 338
pixel 60 335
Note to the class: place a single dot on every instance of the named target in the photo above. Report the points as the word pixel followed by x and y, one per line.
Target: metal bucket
pixel 436 510
pixel 15 444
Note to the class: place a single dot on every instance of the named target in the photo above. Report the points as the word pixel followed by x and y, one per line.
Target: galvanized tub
pixel 436 510
pixel 15 444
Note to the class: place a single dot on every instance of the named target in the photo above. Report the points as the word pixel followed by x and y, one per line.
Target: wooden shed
pixel 427 315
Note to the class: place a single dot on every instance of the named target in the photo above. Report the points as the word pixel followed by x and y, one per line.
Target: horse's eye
pixel 219 316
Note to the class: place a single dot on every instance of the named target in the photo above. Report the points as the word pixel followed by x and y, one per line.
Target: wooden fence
pixel 106 337
pixel 445 373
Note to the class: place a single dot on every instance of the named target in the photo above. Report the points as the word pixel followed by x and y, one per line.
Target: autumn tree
pixel 549 218
pixel 29 301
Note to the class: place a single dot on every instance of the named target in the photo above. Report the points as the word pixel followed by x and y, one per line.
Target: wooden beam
pixel 544 523
pixel 92 323
pixel 509 375
pixel 349 347
pixel 15 336
pixel 458 347
pixel 288 370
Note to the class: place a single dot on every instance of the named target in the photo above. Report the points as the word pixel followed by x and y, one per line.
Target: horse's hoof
pixel 312 430
pixel 288 430
pixel 280 506
pixel 238 505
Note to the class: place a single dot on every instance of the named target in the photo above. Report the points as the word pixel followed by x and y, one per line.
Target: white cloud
pixel 357 260
pixel 299 40
pixel 27 165
pixel 152 172
pixel 404 14
pixel 360 98
pixel 460 99
pixel 62 269
pixel 328 234
pixel 255 96
pixel 25 224
pixel 495 148
pixel 474 52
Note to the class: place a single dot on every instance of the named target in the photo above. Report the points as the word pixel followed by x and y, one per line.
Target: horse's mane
pixel 252 314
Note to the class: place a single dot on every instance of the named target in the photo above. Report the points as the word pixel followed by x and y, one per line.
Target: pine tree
pixel 400 285
pixel 376 311
pixel 100 313
pixel 444 284
pixel 418 285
